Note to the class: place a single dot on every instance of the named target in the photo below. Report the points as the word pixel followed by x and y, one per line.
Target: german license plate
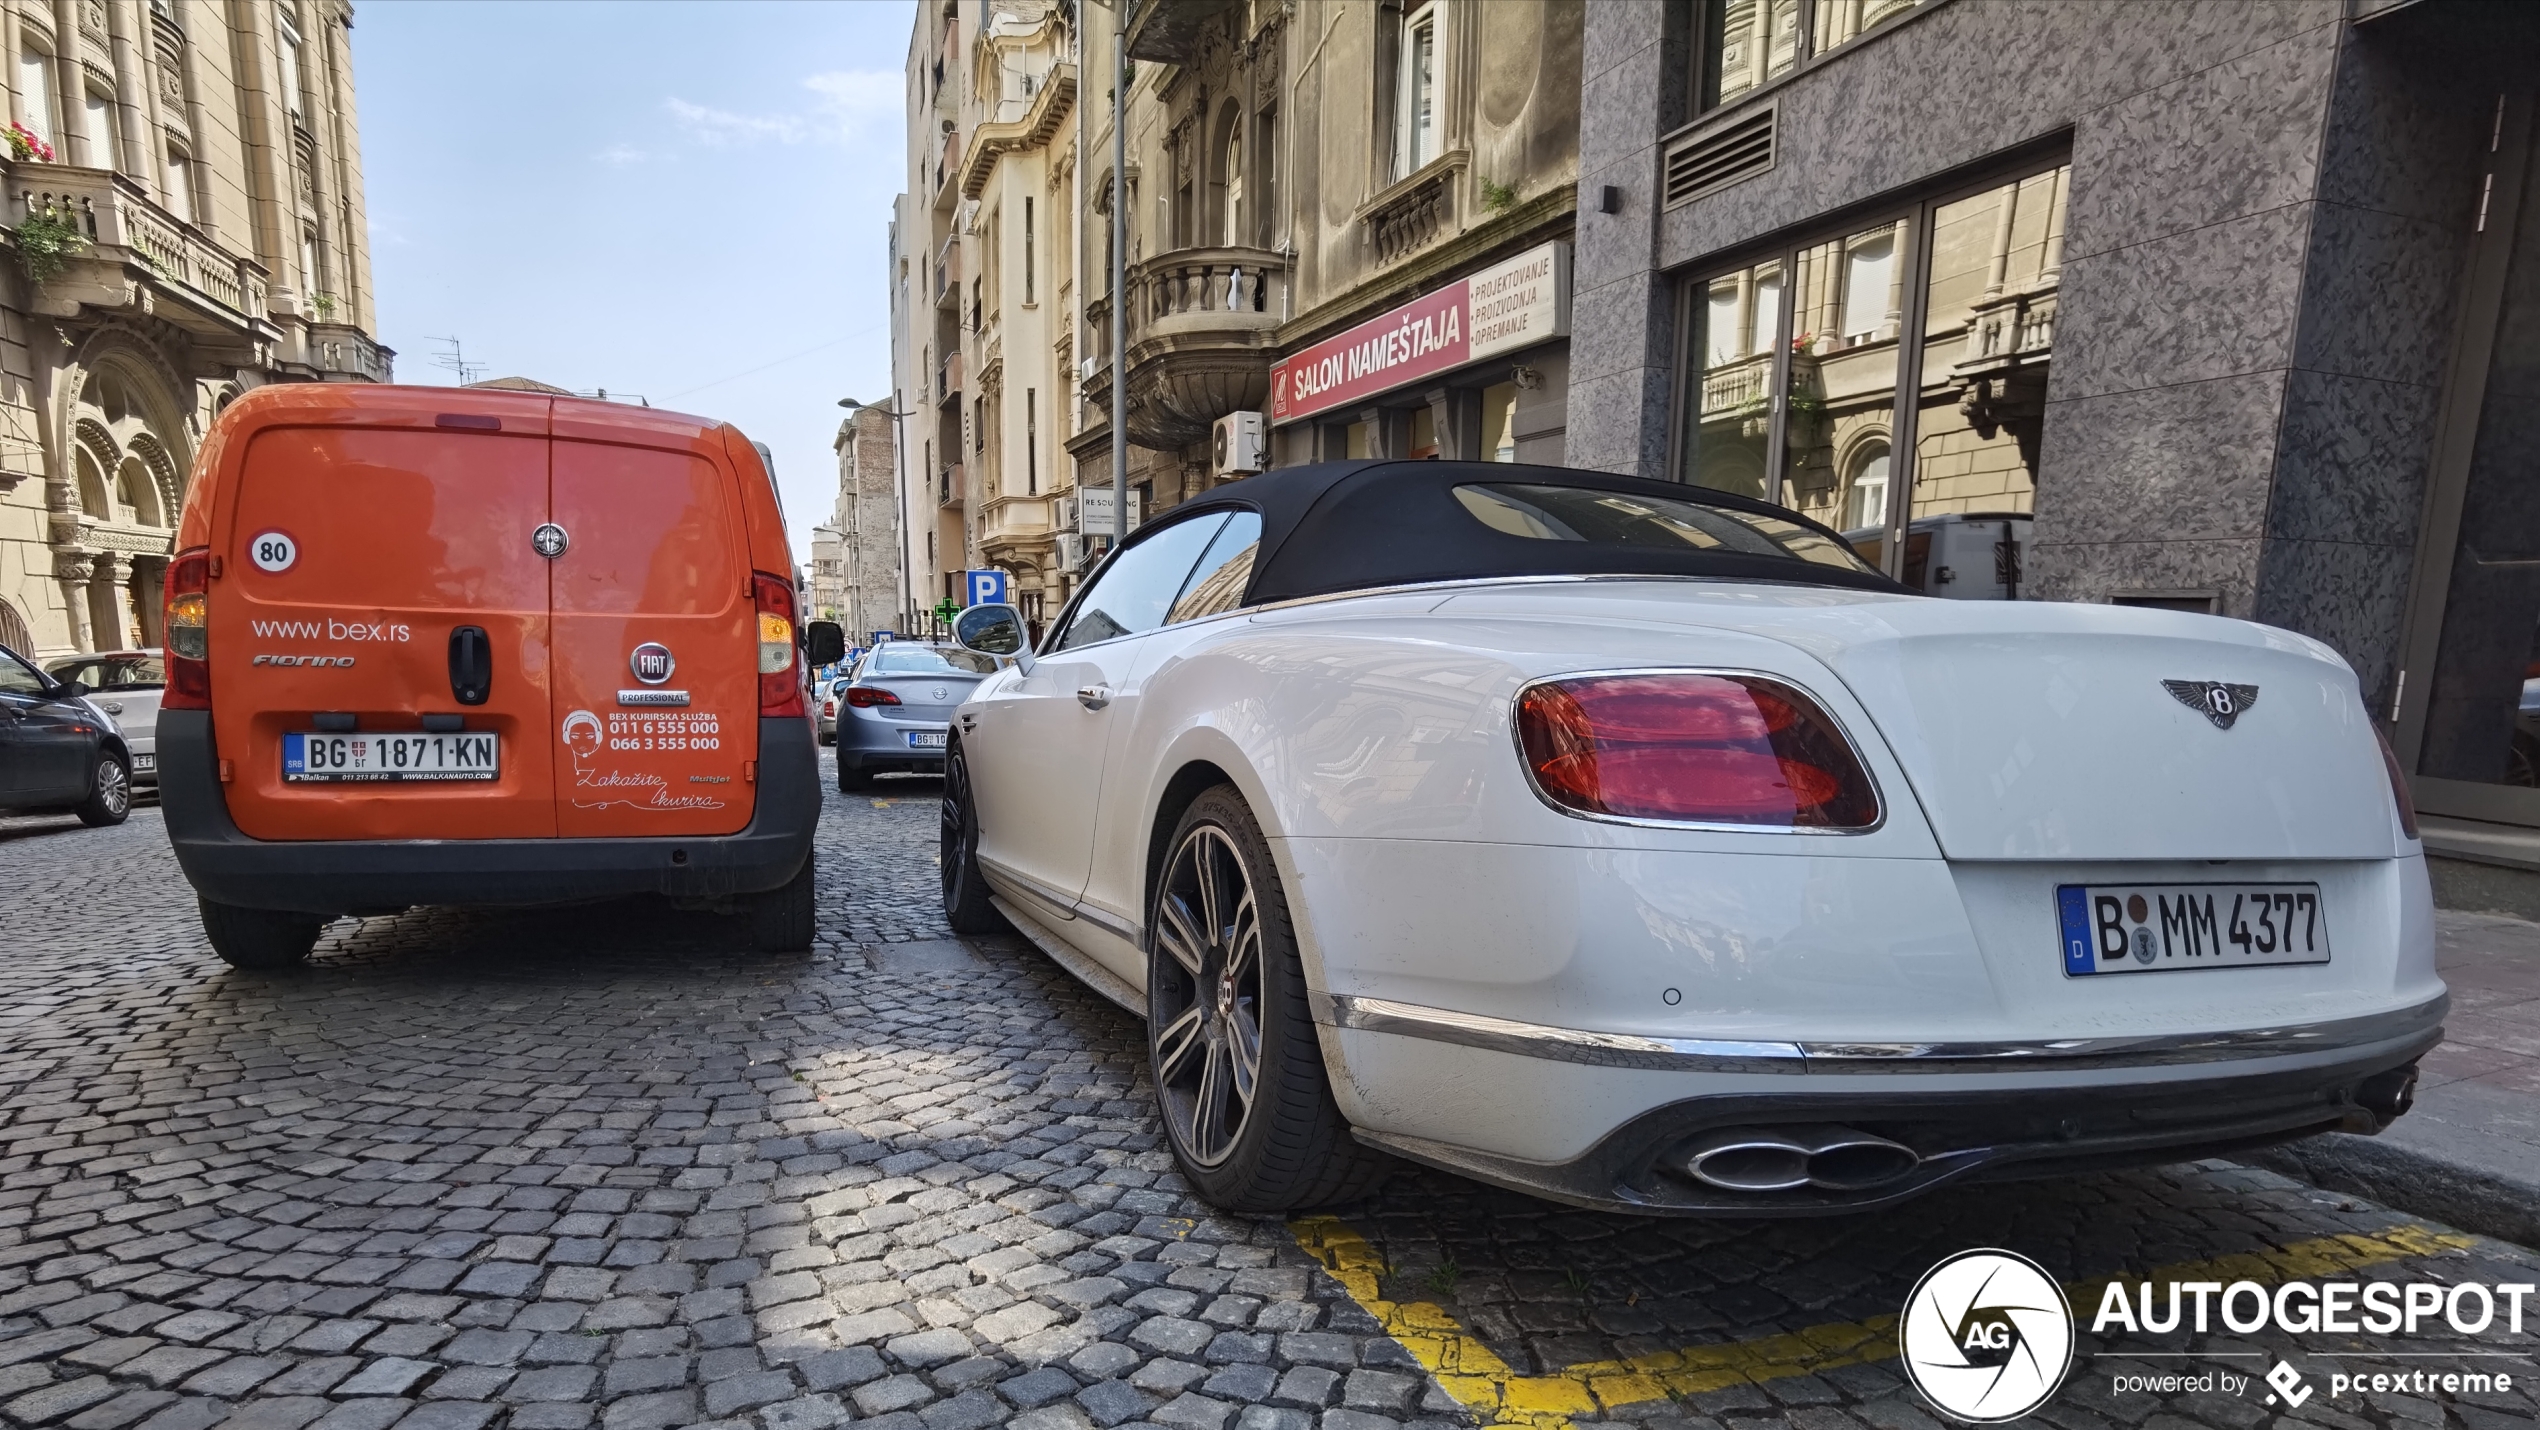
pixel 397 757
pixel 2156 928
pixel 925 739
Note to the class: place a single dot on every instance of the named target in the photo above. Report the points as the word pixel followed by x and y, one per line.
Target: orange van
pixel 460 646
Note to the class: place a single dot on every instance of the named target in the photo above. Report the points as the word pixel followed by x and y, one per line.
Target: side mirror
pixel 828 641
pixel 996 631
pixel 69 690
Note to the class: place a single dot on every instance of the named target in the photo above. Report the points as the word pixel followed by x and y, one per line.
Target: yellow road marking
pixel 1482 1382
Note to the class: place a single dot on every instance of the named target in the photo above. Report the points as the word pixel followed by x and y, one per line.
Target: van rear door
pixel 656 636
pixel 352 549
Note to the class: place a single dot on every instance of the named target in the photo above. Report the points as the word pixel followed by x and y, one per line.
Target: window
pixel 99 130
pixel 1265 168
pixel 35 90
pixel 1217 583
pixel 1027 253
pixel 1230 166
pixel 1415 119
pixel 309 271
pixel 1499 422
pixel 1610 518
pixel 180 184
pixel 290 48
pixel 1137 588
pixel 1031 441
pixel 905 658
pixel 1750 43
pixel 19 678
pixel 1884 401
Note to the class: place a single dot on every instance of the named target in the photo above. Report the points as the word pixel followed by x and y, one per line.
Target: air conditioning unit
pixel 1071 551
pixel 1240 443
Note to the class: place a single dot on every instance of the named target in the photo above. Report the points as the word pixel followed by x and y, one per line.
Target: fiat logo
pixel 651 663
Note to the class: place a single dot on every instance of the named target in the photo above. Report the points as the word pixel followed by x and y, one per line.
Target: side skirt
pixel 1093 975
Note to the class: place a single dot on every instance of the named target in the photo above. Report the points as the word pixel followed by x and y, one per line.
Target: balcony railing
pixel 948 487
pixel 948 274
pixel 1738 390
pixel 123 224
pixel 337 349
pixel 1201 283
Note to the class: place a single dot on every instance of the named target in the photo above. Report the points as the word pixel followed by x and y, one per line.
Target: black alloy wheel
pixel 1204 996
pixel 1238 1067
pixel 109 795
pixel 966 905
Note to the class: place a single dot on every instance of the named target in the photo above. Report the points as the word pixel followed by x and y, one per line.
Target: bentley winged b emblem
pixel 2213 699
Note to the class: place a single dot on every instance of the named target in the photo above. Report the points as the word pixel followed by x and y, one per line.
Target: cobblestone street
pixel 594 1167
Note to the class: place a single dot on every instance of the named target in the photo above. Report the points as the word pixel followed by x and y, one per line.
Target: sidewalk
pixel 2470 1152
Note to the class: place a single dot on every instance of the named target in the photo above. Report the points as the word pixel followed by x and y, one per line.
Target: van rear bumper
pixel 339 876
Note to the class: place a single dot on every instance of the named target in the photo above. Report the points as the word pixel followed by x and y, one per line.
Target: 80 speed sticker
pixel 273 551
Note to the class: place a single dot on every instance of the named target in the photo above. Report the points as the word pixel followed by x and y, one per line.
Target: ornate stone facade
pixel 206 183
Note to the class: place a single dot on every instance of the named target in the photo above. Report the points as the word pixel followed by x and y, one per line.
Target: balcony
pixel 1011 522
pixel 948 486
pixel 142 258
pixel 948 275
pixel 2001 380
pixel 1201 322
pixel 1169 31
pixel 948 170
pixel 341 353
pixel 948 379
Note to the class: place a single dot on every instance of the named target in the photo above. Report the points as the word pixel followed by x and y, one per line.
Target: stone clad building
pixel 2226 294
pixel 855 577
pixel 1302 175
pixel 198 231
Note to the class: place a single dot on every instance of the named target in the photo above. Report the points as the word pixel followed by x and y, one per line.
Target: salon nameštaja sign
pixel 1510 305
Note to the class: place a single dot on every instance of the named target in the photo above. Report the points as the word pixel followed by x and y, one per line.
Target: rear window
pixel 1631 519
pixel 122 672
pixel 928 660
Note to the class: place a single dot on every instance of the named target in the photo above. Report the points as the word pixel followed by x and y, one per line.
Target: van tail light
pixel 1697 749
pixel 780 674
pixel 865 697
pixel 2398 782
pixel 188 629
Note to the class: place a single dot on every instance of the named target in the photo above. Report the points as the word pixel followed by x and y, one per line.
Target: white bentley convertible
pixel 1637 846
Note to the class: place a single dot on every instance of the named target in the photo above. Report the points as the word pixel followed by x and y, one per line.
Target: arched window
pixel 1226 192
pixel 1865 487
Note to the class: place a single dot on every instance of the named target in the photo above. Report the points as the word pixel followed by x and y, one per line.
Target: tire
pixel 966 905
pixel 109 793
pixel 854 779
pixel 1223 980
pixel 260 939
pixel 783 919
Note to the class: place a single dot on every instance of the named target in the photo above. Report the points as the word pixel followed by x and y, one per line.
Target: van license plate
pixel 390 758
pixel 925 739
pixel 2155 928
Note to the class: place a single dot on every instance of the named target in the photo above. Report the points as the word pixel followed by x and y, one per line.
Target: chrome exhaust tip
pixel 1768 1159
pixel 1745 1159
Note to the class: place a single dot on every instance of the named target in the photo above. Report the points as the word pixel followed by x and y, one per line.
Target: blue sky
pixel 652 198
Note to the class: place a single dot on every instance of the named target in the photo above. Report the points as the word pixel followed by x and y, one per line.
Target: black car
pixel 56 750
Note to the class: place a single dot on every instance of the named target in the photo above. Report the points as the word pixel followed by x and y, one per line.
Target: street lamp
pixel 899 493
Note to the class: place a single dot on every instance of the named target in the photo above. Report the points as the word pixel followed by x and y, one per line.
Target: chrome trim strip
pixel 1059 905
pixel 1631 1050
pixel 1093 975
pixel 1109 923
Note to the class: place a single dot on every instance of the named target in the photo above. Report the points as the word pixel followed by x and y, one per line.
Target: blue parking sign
pixel 987 588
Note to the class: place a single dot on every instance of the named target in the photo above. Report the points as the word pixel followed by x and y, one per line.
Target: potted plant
pixel 25 144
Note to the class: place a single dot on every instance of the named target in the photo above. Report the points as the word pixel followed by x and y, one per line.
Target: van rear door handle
pixel 1093 697
pixel 471 665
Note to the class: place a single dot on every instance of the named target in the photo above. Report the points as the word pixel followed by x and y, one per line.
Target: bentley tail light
pixel 1700 749
pixel 189 632
pixel 2398 783
pixel 865 697
pixel 780 678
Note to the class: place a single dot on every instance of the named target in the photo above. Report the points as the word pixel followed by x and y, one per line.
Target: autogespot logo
pixel 1987 1336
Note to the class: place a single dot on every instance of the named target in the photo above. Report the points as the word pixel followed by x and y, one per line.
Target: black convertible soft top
pixel 1353 526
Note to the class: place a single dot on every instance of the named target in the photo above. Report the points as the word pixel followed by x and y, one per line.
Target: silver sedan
pixel 894 709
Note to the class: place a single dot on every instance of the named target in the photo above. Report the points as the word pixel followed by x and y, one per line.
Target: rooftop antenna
pixel 455 362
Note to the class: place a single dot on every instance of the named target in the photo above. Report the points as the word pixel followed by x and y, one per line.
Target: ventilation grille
pixel 1708 163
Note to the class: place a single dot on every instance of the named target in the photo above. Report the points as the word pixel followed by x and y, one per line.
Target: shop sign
pixel 1510 305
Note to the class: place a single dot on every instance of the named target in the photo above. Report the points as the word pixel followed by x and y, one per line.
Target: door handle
pixel 1093 697
pixel 471 665
pixel 114 707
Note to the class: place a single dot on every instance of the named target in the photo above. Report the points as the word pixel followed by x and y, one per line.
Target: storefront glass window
pixel 1975 374
pixel 1424 433
pixel 1838 21
pixel 1738 316
pixel 1841 413
pixel 1988 337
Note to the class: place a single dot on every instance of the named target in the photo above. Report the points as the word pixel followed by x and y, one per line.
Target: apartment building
pixel 186 222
